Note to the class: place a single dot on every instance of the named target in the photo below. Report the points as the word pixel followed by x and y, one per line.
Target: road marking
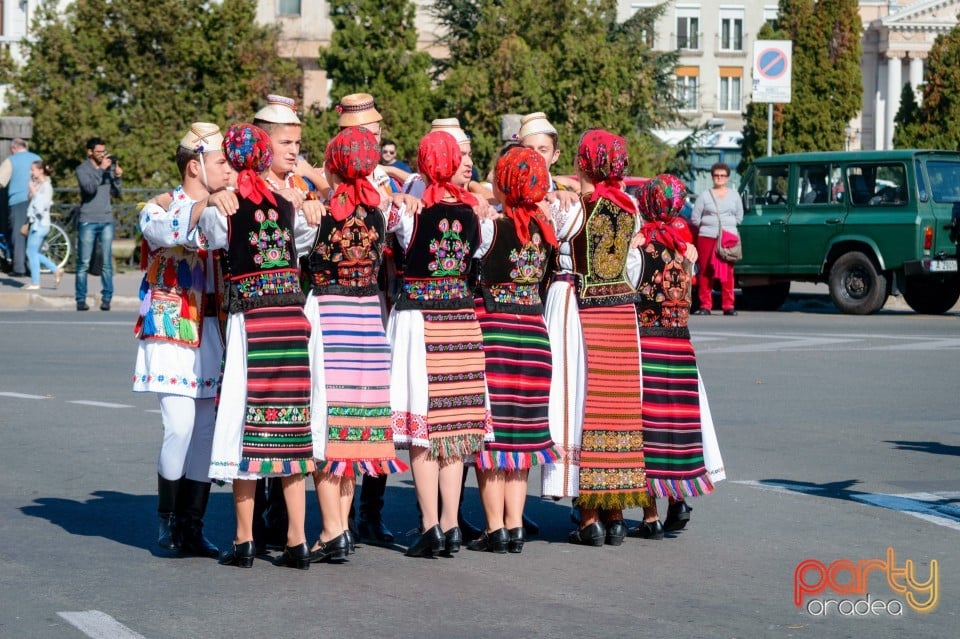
pixel 99 404
pixel 939 508
pixel 22 395
pixel 99 625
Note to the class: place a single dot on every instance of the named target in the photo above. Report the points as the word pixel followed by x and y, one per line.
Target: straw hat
pixel 357 109
pixel 535 123
pixel 279 110
pixel 203 137
pixel 451 126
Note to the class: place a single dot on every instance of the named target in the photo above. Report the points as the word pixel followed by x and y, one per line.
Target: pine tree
pixel 906 133
pixel 827 87
pixel 373 50
pixel 137 74
pixel 941 94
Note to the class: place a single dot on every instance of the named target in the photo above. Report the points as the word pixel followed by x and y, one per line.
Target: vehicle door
pixel 817 215
pixel 882 210
pixel 763 231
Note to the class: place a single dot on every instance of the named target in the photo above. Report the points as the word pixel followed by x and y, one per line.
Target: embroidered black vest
pixel 511 273
pixel 663 294
pixel 437 260
pixel 599 252
pixel 347 255
pixel 260 260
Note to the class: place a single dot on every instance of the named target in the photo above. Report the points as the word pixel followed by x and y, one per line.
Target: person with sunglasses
pixel 716 214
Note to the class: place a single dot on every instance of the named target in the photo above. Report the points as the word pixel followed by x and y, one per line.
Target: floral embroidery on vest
pixel 272 242
pixel 528 261
pixel 449 251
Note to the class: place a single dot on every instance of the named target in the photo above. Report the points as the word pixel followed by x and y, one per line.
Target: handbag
pixel 729 254
pixel 25 229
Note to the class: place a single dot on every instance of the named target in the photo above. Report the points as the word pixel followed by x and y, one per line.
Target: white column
pixel 894 87
pixel 916 74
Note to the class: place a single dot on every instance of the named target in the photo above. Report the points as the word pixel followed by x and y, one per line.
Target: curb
pixel 38 302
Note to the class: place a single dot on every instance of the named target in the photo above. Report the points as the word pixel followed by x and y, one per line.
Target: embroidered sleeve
pixel 567 223
pixel 213 226
pixel 168 227
pixel 394 215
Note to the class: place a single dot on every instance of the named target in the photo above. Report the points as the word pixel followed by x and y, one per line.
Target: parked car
pixel 868 223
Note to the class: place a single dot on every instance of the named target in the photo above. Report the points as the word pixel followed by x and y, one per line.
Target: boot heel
pixel 295 557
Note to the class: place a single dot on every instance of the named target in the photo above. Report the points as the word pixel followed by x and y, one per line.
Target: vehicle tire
pixel 932 295
pixel 56 246
pixel 768 297
pixel 856 287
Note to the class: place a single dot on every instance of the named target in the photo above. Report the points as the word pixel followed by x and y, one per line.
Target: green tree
pixel 374 50
pixel 569 59
pixel 138 73
pixel 827 86
pixel 907 130
pixel 941 95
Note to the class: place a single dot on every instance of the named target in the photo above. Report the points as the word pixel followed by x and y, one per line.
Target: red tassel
pixel 169 275
pixel 144 254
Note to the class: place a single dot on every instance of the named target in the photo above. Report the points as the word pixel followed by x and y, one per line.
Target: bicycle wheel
pixel 56 246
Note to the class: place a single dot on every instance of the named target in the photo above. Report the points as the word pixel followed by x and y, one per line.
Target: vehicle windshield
pixel 944 180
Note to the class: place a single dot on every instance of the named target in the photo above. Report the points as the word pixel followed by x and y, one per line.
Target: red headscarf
pixel 602 156
pixel 661 200
pixel 523 179
pixel 352 155
pixel 438 158
pixel 247 148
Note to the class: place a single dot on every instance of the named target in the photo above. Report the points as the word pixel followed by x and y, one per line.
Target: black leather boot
pixel 275 515
pixel 370 526
pixel 166 507
pixel 468 530
pixel 191 506
pixel 259 525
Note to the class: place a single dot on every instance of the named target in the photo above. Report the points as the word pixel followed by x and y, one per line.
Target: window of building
pixel 731 89
pixel 770 15
pixel 731 29
pixel 288 7
pixel 687 88
pixel 688 27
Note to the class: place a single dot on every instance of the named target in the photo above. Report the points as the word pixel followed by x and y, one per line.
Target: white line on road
pixel 99 625
pixel 936 508
pixel 100 404
pixel 22 395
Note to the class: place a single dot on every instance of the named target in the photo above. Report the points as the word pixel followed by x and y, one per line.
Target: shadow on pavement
pixel 935 448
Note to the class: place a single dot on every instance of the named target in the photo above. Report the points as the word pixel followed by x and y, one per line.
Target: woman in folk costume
pixel 611 468
pixel 350 355
pixel 514 258
pixel 437 387
pixel 263 414
pixel 673 442
pixel 180 347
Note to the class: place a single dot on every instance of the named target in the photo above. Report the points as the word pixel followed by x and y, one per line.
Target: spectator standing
pixel 388 156
pixel 99 180
pixel 38 214
pixel 15 176
pixel 717 209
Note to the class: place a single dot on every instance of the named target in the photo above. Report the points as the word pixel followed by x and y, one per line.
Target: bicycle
pixel 56 246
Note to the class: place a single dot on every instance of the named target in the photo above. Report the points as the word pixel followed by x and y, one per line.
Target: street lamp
pixel 847 134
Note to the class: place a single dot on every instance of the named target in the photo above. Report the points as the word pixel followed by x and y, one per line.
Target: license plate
pixel 943 266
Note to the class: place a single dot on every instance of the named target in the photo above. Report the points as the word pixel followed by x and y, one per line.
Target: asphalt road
pixel 841 438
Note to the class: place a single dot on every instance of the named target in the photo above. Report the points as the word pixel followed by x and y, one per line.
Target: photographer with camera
pixel 99 180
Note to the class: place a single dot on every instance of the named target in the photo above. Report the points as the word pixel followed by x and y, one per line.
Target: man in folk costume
pixel 598 424
pixel 263 415
pixel 538 134
pixel 180 346
pixel 349 352
pixel 278 118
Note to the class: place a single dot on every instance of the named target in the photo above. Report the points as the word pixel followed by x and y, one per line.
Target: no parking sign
pixel 772 69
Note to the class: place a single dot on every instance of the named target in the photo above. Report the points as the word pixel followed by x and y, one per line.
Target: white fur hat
pixel 279 110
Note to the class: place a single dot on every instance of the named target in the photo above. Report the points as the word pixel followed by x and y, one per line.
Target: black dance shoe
pixel 333 551
pixel 351 542
pixel 616 531
pixel 678 514
pixel 495 541
pixel 240 555
pixel 298 557
pixel 452 540
pixel 374 531
pixel 593 535
pixel 430 543
pixel 648 530
pixel 517 537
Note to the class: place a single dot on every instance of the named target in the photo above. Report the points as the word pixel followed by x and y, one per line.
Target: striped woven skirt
pixel 612 470
pixel 671 419
pixel 354 411
pixel 276 433
pixel 518 368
